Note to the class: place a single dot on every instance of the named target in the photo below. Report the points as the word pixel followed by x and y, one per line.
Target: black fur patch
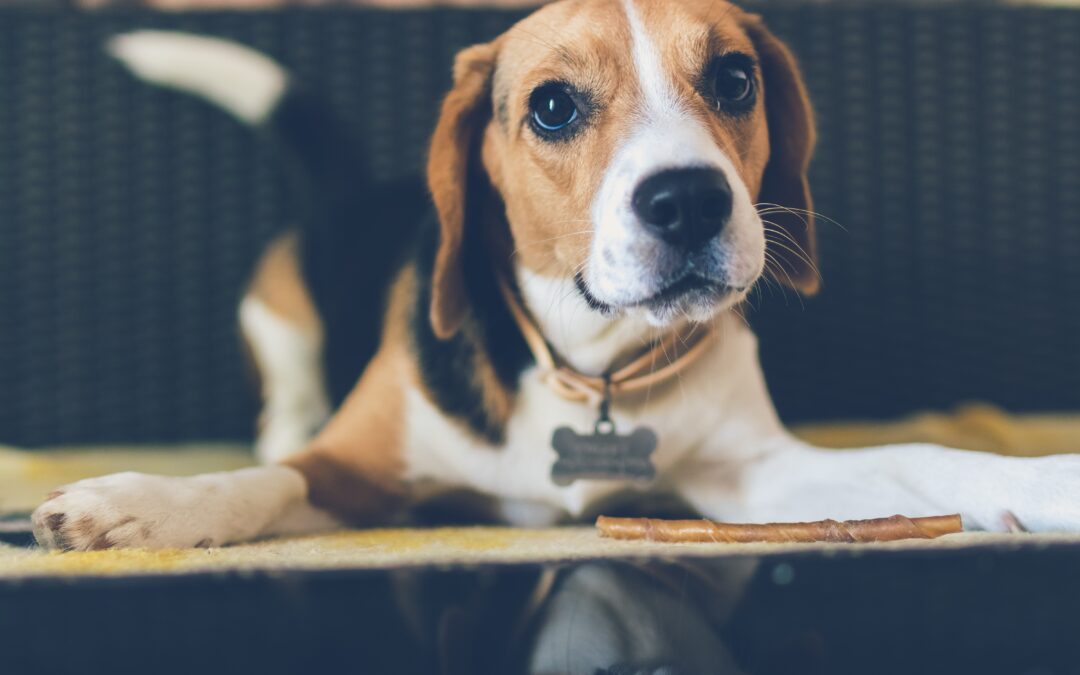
pixel 355 237
pixel 349 261
pixel 448 366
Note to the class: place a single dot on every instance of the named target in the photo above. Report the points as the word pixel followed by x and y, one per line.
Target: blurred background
pixel 948 172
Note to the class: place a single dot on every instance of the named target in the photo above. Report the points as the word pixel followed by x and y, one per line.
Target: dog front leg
pixel 314 491
pixel 351 471
pixel 134 510
pixel 790 481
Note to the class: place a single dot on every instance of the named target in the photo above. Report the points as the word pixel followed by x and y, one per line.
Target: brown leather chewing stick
pixel 876 529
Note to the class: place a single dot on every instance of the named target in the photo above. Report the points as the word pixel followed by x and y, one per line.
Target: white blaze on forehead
pixel 655 82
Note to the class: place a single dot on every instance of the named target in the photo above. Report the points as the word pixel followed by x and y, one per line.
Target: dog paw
pixel 125 510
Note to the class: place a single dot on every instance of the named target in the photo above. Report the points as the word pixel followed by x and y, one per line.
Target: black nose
pixel 684 207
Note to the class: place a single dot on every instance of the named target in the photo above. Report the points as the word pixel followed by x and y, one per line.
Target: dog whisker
pixel 798 250
pixel 772 265
pixel 537 242
pixel 777 208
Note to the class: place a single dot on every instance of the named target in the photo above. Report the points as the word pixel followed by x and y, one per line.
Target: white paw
pixel 127 510
pixel 135 510
pixel 1002 494
pixel 1046 494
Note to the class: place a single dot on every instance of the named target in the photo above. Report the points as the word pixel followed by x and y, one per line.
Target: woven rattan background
pixel 130 217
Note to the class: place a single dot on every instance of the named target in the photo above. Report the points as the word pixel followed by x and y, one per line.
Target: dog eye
pixel 733 82
pixel 552 107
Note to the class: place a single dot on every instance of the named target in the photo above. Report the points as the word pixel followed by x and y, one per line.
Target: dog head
pixel 631 143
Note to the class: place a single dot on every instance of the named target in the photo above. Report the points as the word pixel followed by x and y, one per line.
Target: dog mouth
pixel 689 284
pixel 689 287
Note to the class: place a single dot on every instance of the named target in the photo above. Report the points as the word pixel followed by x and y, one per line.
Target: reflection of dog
pixel 636 165
pixel 626 620
pixel 612 617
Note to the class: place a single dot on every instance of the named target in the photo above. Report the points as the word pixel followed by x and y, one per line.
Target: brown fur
pixel 463 111
pixel 353 467
pixel 548 190
pixel 279 284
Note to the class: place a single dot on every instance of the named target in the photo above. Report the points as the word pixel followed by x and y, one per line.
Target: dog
pixel 610 179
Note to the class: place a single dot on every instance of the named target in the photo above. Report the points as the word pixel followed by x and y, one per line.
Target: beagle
pixel 613 176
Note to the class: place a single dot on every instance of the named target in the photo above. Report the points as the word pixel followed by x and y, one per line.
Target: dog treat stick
pixel 876 529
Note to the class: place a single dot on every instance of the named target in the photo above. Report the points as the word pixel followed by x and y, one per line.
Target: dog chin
pixel 695 306
pixel 699 303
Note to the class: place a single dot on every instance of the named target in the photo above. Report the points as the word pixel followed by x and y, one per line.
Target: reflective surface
pixel 975 610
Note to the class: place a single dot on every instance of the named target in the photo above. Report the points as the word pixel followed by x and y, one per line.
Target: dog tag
pixel 603 454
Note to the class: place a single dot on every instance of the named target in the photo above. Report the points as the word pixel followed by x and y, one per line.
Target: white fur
pixel 242 81
pixel 578 333
pixel 623 264
pixel 791 481
pixel 132 510
pixel 295 403
pixel 627 264
pixel 660 98
pixel 683 412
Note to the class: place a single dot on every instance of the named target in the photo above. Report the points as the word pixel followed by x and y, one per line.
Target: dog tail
pixel 256 90
pixel 347 252
pixel 245 83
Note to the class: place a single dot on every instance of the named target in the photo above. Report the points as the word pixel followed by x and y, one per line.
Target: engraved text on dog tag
pixel 603 454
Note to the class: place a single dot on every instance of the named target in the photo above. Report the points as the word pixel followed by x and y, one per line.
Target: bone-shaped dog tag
pixel 603 456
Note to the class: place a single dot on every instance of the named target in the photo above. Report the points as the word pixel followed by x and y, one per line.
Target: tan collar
pixel 675 352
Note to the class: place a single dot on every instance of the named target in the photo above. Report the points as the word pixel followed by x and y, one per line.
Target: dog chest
pixel 442 454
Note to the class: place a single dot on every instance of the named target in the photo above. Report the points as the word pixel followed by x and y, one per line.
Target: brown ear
pixel 464 111
pixel 791 141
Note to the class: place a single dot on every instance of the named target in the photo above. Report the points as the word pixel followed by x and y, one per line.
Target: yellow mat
pixel 26 477
pixel 403 548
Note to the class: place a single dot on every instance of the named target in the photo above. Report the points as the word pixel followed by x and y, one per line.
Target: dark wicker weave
pixel 950 153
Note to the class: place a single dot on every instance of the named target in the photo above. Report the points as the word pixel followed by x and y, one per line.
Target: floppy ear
pixel 791 141
pixel 464 111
